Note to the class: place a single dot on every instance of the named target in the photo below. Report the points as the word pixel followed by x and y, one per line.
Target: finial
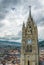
pixel 30 11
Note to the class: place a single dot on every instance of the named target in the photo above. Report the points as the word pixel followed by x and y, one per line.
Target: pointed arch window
pixel 29 26
pixel 28 62
pixel 30 48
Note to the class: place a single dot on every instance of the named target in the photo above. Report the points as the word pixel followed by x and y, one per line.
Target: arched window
pixel 29 26
pixel 28 62
pixel 30 48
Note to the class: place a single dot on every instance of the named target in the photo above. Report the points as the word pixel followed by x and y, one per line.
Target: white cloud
pixel 14 18
pixel 42 2
pixel 41 32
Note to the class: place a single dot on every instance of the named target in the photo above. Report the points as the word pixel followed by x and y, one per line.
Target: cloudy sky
pixel 14 12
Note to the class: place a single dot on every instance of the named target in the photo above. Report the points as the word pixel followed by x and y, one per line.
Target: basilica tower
pixel 29 49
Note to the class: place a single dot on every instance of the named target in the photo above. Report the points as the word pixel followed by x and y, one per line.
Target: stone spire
pixel 29 17
pixel 30 11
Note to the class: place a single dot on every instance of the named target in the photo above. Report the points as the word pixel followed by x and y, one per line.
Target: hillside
pixel 2 42
pixel 41 43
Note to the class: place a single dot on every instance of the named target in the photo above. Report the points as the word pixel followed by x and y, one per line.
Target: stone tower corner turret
pixel 23 29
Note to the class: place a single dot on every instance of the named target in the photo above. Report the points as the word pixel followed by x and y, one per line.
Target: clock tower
pixel 29 49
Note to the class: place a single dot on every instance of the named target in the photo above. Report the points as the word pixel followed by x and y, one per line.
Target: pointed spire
pixel 30 11
pixel 23 24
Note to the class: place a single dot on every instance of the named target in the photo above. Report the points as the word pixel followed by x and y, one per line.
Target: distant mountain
pixel 41 43
pixel 3 42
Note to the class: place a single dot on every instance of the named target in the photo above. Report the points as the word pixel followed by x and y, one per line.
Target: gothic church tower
pixel 29 49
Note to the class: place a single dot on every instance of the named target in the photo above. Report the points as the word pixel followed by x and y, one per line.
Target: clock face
pixel 29 41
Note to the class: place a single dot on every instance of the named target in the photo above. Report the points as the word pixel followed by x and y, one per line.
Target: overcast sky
pixel 14 12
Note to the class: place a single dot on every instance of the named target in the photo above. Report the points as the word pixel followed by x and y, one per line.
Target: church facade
pixel 29 49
